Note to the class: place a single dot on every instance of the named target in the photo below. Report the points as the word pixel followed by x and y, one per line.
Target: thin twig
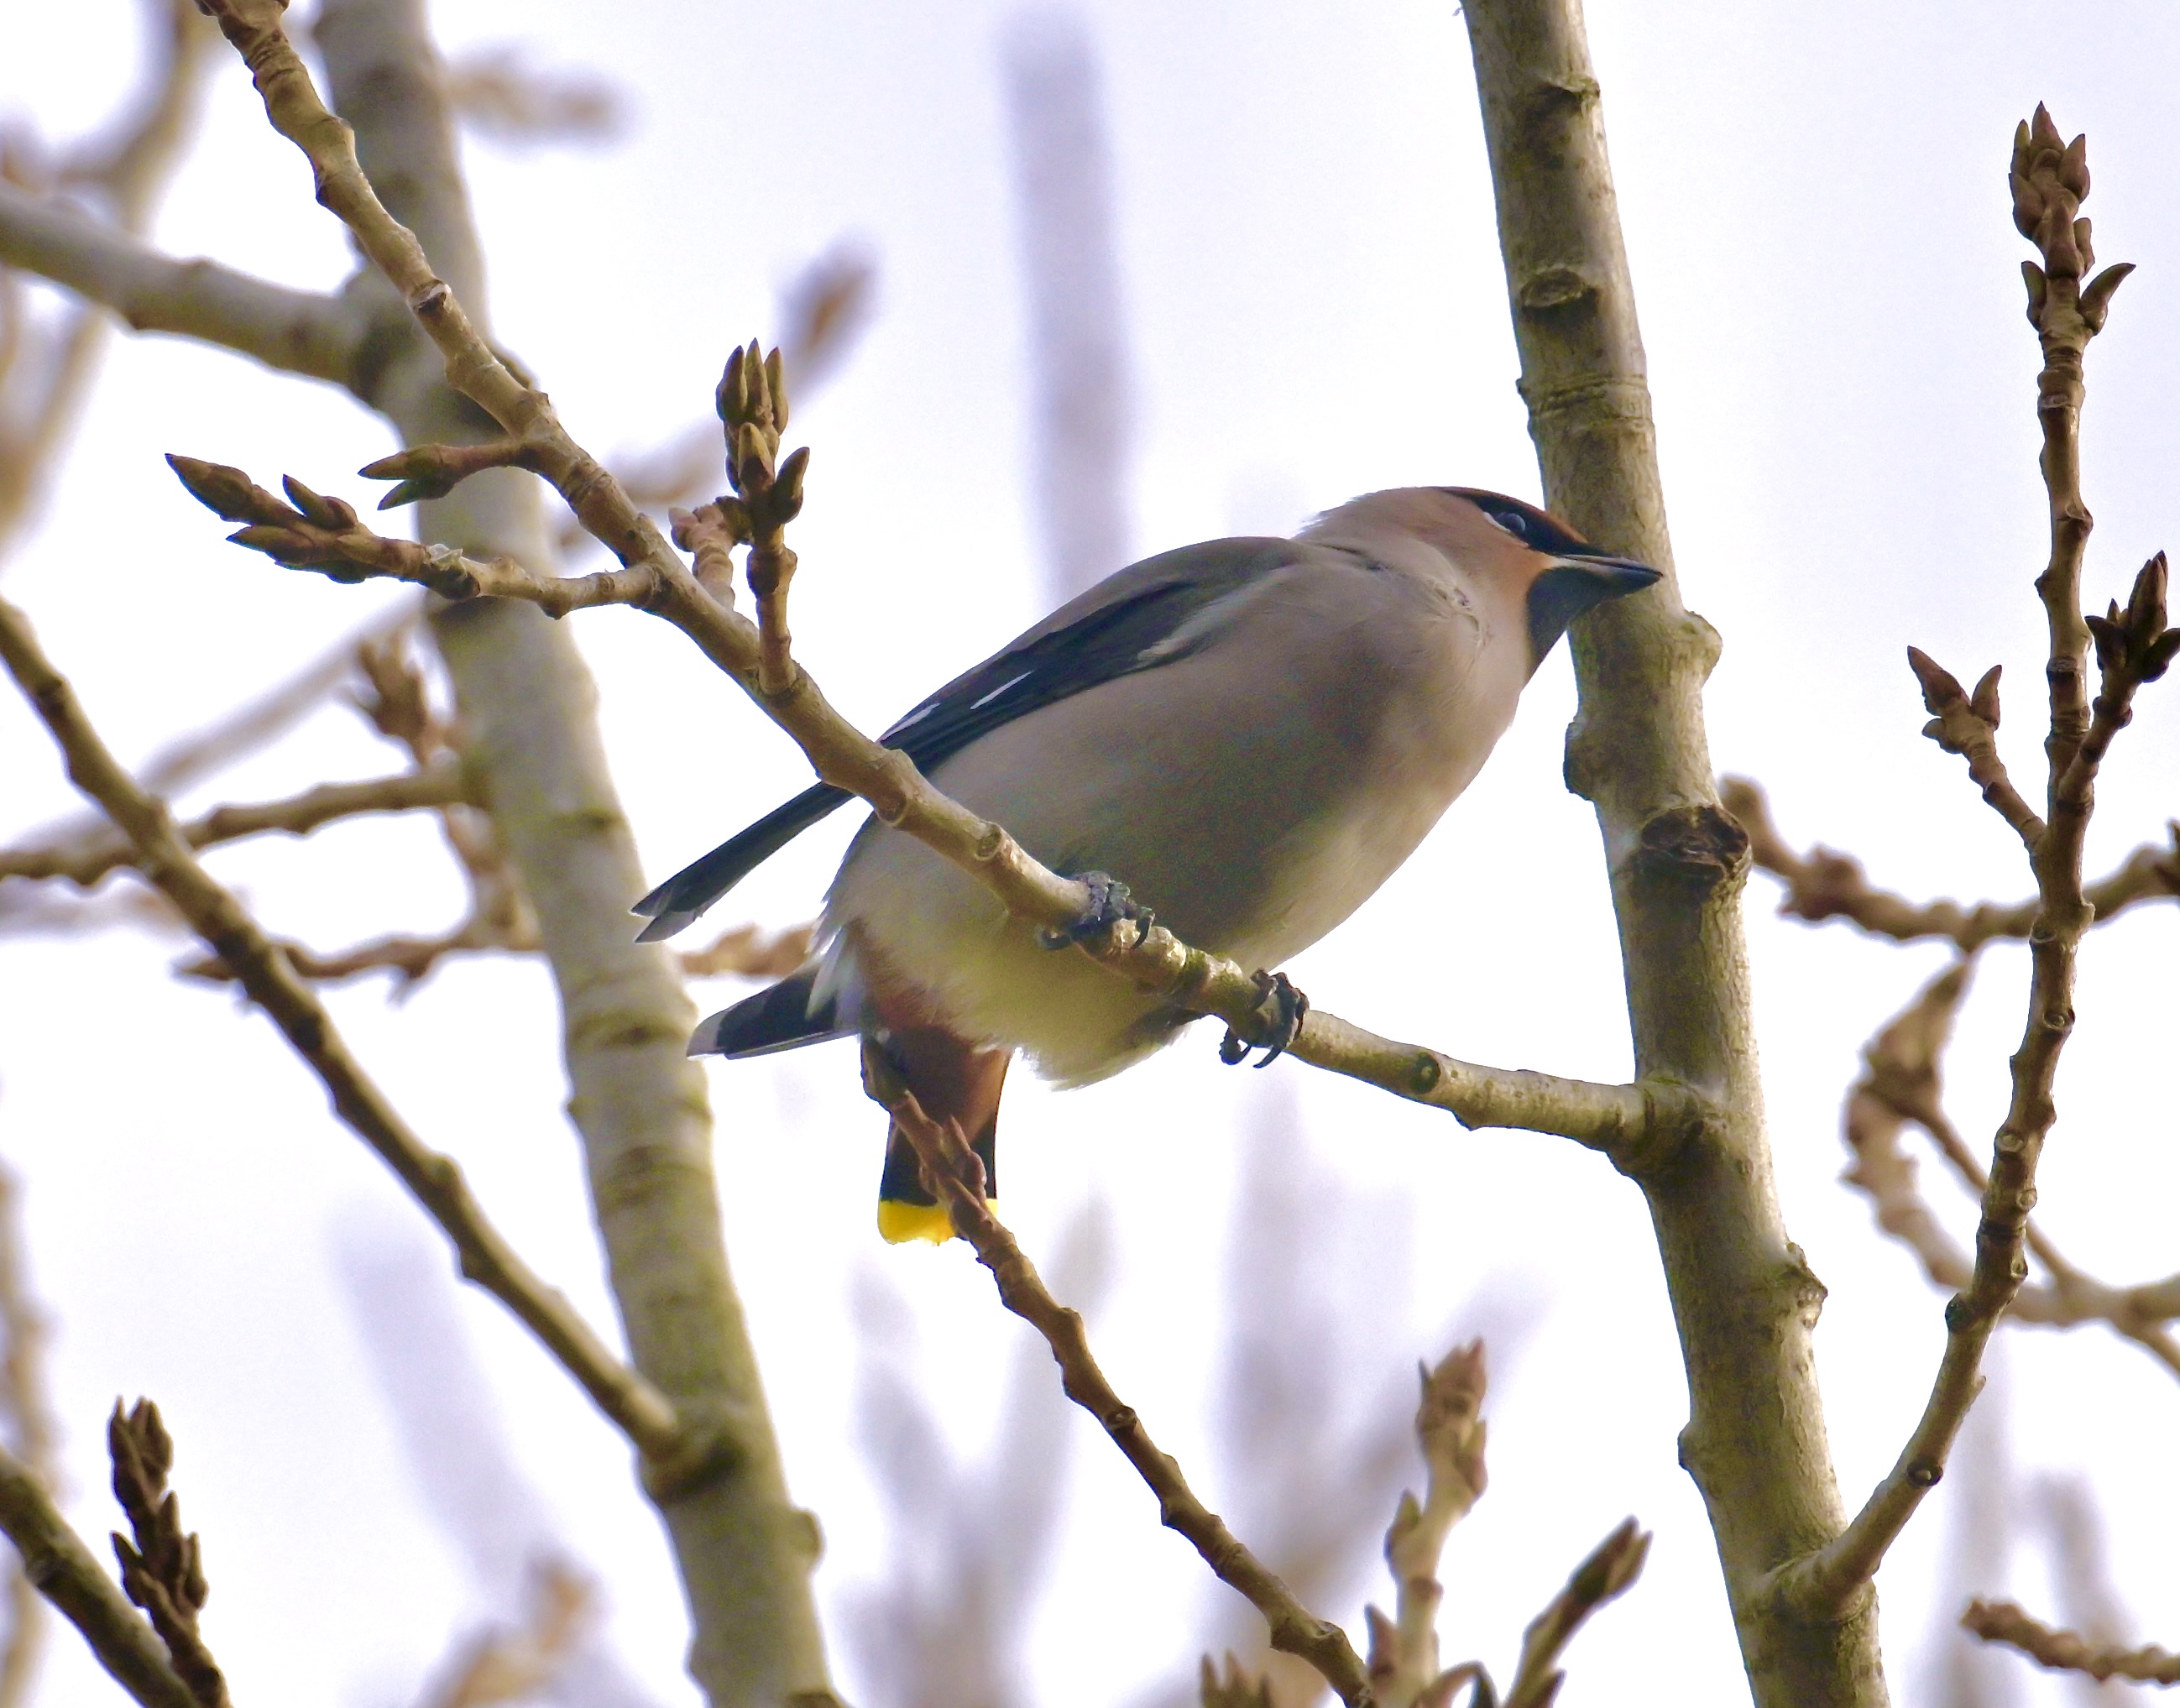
pixel 1968 724
pixel 643 1412
pixel 2050 180
pixel 1636 1124
pixel 950 1169
pixel 162 1566
pixel 84 861
pixel 2067 1651
pixel 35 1433
pixel 1824 884
pixel 1404 1654
pixel 1900 1085
pixel 1611 1567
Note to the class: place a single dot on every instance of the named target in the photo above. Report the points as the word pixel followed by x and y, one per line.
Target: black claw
pixel 1109 906
pixel 1288 1004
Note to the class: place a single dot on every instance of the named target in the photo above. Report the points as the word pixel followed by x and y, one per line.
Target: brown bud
pixel 227 491
pixel 2074 169
pixel 2097 295
pixel 1984 702
pixel 1941 688
pixel 731 399
pixel 787 486
pixel 2033 276
pixel 331 513
pixel 775 391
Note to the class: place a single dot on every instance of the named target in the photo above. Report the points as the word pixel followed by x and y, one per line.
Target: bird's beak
pixel 1611 576
pixel 1574 583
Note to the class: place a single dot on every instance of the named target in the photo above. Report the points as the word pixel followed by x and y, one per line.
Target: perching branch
pixel 68 1575
pixel 2051 179
pixel 1824 884
pixel 1636 1125
pixel 165 860
pixel 950 1169
pixel 2068 1651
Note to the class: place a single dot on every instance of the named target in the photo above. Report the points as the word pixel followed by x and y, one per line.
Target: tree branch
pixel 528 707
pixel 23 1397
pixel 166 862
pixel 89 858
pixel 1824 884
pixel 2049 181
pixel 1899 1085
pixel 68 1575
pixel 950 1169
pixel 318 337
pixel 2067 1651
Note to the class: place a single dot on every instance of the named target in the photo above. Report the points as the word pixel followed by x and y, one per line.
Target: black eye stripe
pixel 1536 529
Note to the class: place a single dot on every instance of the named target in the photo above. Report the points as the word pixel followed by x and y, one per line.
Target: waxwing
pixel 1249 735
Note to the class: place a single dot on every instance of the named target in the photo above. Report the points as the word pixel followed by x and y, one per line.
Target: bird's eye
pixel 1513 521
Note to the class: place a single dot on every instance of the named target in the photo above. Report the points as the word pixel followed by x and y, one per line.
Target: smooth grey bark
pixel 528 702
pixel 1744 1298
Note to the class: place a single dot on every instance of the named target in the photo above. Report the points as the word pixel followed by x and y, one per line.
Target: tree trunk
pixel 1744 1298
pixel 528 704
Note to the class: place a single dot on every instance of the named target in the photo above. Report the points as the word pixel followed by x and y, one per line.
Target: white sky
pixel 1827 272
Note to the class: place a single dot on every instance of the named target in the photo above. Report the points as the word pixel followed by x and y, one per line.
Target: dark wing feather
pixel 1119 627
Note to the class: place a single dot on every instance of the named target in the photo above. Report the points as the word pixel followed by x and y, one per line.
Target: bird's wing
pixel 1149 614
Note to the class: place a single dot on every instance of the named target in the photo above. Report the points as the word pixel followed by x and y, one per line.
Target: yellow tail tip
pixel 899 1223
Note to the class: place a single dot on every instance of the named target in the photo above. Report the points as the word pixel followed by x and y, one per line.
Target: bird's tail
pixel 675 903
pixel 952 1081
pixel 783 1017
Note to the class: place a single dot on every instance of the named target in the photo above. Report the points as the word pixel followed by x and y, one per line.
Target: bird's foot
pixel 1288 1006
pixel 1109 905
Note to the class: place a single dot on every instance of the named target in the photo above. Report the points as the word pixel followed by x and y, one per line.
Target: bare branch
pixel 90 858
pixel 296 332
pixel 2067 1651
pixel 1824 884
pixel 56 1559
pixel 2050 178
pixel 1900 1085
pixel 748 952
pixel 519 1665
pixel 1636 1125
pixel 23 1393
pixel 951 1170
pixel 166 862
pixel 501 95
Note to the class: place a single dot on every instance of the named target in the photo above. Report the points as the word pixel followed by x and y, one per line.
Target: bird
pixel 1243 738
